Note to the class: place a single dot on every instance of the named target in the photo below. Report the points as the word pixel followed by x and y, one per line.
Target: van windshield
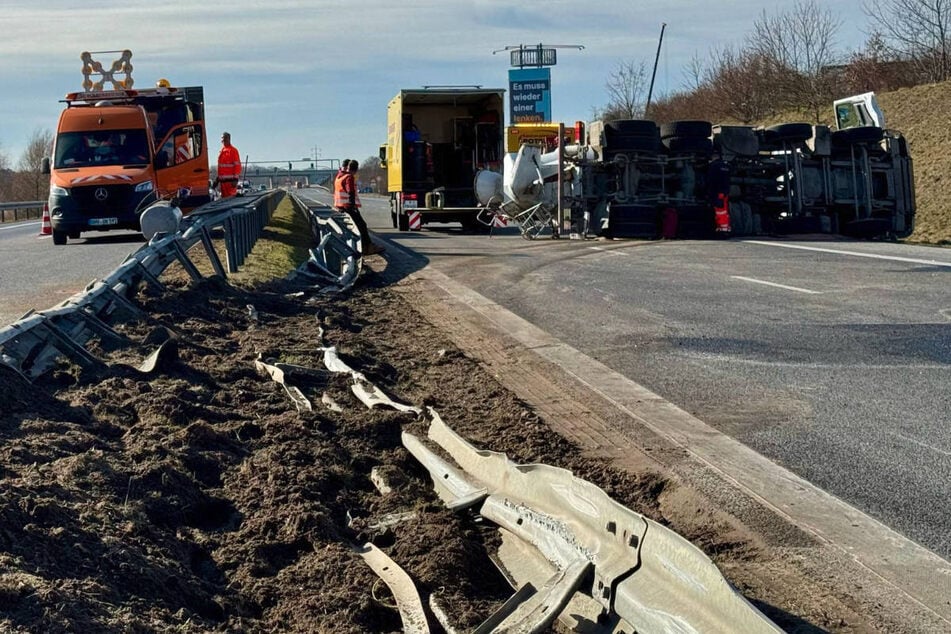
pixel 101 148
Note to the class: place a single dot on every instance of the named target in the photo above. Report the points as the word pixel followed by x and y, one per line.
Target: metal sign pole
pixel 561 190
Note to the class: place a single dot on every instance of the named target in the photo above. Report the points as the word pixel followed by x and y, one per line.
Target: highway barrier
pixel 16 211
pixel 31 345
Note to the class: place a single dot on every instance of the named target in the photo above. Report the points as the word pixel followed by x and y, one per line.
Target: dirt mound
pixel 920 113
pixel 198 499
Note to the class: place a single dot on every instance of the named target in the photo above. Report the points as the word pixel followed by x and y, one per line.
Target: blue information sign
pixel 529 95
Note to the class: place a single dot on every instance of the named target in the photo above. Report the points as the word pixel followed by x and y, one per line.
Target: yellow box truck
pixel 436 141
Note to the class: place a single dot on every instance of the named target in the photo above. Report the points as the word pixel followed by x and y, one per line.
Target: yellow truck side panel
pixel 394 144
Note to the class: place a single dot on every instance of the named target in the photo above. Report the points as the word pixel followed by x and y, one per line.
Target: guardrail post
pixel 230 244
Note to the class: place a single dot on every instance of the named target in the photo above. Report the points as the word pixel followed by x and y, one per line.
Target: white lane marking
pixel 856 367
pixel 788 288
pixel 606 251
pixel 874 256
pixel 19 225
pixel 920 444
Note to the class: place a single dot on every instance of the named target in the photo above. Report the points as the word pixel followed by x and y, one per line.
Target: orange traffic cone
pixel 46 228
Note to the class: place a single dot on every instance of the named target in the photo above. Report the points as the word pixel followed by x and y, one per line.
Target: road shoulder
pixel 797 547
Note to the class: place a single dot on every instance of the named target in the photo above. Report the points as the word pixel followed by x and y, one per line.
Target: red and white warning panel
pixel 415 221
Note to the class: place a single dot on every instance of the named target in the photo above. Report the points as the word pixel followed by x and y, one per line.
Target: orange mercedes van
pixel 116 152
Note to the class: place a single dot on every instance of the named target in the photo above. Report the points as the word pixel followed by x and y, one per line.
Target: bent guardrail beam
pixel 31 345
pixel 644 573
pixel 338 258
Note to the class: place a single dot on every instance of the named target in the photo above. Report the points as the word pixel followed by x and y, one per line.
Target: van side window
pixel 182 145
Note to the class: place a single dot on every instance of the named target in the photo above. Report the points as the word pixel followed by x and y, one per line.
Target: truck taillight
pixel 409 196
pixel 579 132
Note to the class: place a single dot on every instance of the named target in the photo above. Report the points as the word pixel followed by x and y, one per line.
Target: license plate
pixel 100 222
pixel 409 204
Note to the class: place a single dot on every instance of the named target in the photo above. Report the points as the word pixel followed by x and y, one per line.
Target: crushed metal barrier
pixel 637 574
pixel 31 345
pixel 338 258
pixel 596 564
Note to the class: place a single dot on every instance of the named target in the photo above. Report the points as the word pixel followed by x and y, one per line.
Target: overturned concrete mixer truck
pixel 693 179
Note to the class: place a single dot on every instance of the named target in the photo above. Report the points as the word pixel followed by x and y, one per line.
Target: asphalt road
pixel 830 357
pixel 36 274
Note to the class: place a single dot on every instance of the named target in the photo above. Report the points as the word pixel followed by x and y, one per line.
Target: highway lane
pixel 36 274
pixel 830 357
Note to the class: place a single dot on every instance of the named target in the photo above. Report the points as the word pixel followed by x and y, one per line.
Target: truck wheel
pixel 59 237
pixel 631 127
pixel 862 134
pixel 633 143
pixel 402 222
pixel 698 144
pixel 793 132
pixel 701 129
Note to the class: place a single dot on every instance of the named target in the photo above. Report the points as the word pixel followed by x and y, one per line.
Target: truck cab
pixel 858 111
pixel 118 151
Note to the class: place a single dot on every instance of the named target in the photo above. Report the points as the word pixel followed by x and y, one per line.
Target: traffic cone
pixel 46 228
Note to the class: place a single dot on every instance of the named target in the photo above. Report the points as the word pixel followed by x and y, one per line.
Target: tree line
pixel 24 179
pixel 789 61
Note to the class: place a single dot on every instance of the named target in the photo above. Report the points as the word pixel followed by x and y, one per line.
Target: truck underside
pixel 690 179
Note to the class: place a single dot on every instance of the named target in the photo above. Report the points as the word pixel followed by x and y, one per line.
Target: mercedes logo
pixel 101 193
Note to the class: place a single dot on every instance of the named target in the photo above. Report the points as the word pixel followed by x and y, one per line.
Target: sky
pixel 294 79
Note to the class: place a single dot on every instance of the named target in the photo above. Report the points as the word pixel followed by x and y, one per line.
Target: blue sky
pixel 292 78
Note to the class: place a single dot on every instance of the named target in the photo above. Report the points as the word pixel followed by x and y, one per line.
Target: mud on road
pixel 197 499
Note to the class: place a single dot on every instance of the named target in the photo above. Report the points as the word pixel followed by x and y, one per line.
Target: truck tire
pixel 59 237
pixel 402 221
pixel 633 143
pixel 631 127
pixel 696 144
pixel 792 132
pixel 701 129
pixel 631 135
pixel 862 134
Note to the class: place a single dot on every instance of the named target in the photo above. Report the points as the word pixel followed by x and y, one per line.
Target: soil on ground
pixel 197 498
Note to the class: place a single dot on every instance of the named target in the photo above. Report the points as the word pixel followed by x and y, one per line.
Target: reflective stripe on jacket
pixel 345 191
pixel 229 163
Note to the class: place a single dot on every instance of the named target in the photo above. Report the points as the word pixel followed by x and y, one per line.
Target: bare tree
pixel 919 30
pixel 624 86
pixel 877 67
pixel 742 85
pixel 32 184
pixel 695 73
pixel 372 174
pixel 6 176
pixel 799 45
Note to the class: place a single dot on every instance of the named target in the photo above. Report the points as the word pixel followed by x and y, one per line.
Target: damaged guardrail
pixel 645 576
pixel 571 551
pixel 338 257
pixel 31 345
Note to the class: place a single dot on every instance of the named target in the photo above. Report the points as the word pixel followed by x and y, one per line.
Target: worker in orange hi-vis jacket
pixel 229 167
pixel 347 200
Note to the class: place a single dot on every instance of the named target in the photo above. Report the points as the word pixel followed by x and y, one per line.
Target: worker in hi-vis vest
pixel 229 167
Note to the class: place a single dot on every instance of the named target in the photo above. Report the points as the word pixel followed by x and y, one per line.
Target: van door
pixel 181 166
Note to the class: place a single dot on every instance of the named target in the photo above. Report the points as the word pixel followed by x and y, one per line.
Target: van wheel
pixel 59 237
